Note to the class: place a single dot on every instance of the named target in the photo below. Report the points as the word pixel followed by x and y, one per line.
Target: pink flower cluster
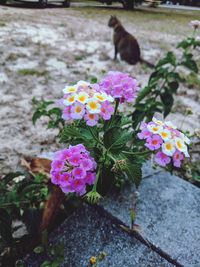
pixel 169 144
pixel 85 101
pixel 72 169
pixel 120 85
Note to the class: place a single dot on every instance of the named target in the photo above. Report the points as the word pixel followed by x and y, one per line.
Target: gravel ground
pixel 61 46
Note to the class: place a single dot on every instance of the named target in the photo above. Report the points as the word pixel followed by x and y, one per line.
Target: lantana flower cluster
pixel 169 143
pixel 120 86
pixel 85 101
pixel 72 169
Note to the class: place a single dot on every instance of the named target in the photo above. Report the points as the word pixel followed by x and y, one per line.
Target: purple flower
pixel 78 185
pixel 120 85
pixel 162 159
pixel 72 169
pixel 106 110
pixel 77 111
pixel 91 119
pixel 79 173
pixel 90 178
pixel 57 165
pixel 64 154
pixel 75 159
pixel 154 142
pixel 144 134
pixel 87 164
pixel 67 113
pixel 66 178
pixel 56 177
pixel 177 158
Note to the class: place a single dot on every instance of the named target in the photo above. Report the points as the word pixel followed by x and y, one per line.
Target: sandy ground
pixel 66 45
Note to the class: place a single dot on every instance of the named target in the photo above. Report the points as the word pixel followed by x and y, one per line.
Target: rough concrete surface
pixel 87 233
pixel 168 212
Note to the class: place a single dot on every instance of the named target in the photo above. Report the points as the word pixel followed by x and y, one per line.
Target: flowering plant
pixel 103 150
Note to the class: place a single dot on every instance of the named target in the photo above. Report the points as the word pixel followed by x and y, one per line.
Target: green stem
pixel 116 106
pixel 111 157
pixel 94 188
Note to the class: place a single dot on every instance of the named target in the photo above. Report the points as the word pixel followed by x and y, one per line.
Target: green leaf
pixel 69 132
pixel 186 43
pixel 137 117
pixel 114 121
pixel 167 100
pixel 56 111
pixel 170 58
pixel 133 216
pixel 36 115
pixel 115 139
pixel 134 172
pixel 191 64
pixel 143 93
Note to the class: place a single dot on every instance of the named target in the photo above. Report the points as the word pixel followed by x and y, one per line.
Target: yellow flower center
pixel 164 134
pixel 81 98
pixel 71 99
pixel 155 129
pixel 179 144
pixel 93 105
pixel 168 146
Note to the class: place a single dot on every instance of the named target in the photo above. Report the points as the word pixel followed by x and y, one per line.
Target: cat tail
pixel 150 65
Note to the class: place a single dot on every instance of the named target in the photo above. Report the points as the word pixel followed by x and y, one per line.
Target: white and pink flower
pixel 169 143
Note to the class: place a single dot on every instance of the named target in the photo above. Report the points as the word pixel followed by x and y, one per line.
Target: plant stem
pixel 94 188
pixel 116 106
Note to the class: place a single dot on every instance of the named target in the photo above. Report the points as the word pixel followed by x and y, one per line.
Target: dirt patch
pixel 42 50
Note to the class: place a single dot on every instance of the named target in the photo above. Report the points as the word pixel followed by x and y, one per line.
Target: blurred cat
pixel 125 44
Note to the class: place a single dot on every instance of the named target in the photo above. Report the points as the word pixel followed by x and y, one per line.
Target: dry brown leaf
pixel 51 207
pixel 37 165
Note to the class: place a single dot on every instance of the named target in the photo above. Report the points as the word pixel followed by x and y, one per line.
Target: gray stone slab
pixel 148 170
pixel 168 212
pixel 87 233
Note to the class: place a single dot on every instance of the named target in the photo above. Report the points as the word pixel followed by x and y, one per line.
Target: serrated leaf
pixel 115 139
pixel 134 172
